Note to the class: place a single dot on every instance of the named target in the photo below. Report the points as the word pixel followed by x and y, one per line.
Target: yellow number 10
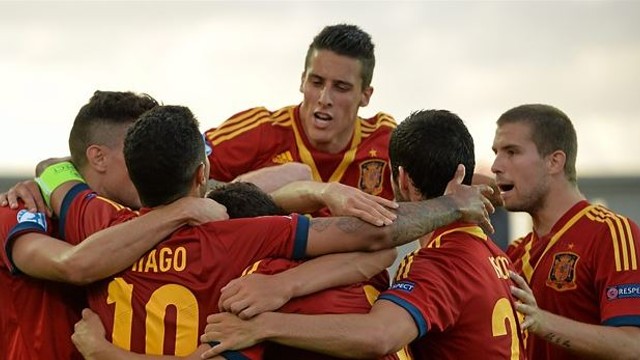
pixel 121 294
pixel 502 311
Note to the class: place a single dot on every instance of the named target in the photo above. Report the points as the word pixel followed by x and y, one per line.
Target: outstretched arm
pixel 386 329
pixel 274 177
pixel 45 257
pixel 342 200
pixel 256 293
pixel 593 341
pixel 415 219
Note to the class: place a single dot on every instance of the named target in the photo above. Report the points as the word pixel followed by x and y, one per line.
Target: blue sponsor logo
pixel 625 291
pixel 403 285
pixel 39 218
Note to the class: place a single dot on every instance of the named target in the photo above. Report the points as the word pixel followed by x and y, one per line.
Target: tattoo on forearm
pixel 558 340
pixel 321 224
pixel 419 218
pixel 345 224
pixel 350 225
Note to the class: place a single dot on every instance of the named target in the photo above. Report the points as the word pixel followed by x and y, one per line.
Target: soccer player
pixel 37 317
pixel 159 305
pixel 324 131
pixel 581 259
pixel 451 299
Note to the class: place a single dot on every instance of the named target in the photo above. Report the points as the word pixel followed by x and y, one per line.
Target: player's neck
pixel 335 145
pixel 94 181
pixel 557 202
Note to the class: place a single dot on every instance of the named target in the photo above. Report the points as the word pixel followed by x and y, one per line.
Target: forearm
pixel 300 196
pixel 271 178
pixel 342 234
pixel 125 243
pixel 592 341
pixel 48 162
pixel 337 270
pixel 416 219
pixel 351 335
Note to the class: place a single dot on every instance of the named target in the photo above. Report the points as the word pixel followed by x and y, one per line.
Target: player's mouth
pixel 505 188
pixel 321 119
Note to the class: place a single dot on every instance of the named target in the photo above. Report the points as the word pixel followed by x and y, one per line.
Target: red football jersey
pixel 585 269
pixel 160 304
pixel 355 298
pixel 27 326
pixel 456 289
pixel 258 138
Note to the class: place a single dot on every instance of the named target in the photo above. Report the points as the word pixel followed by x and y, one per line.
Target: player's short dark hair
pixel 244 200
pixel 551 130
pixel 429 145
pixel 346 40
pixel 104 110
pixel 162 150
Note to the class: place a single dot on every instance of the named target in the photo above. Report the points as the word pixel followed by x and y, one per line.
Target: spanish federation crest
pixel 562 275
pixel 372 176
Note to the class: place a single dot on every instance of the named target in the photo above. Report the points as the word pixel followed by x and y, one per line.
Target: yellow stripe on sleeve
pixel 624 249
pixel 251 269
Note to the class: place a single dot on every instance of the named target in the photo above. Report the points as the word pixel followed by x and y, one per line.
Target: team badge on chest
pixel 371 176
pixel 562 275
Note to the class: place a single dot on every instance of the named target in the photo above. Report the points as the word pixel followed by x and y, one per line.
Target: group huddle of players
pixel 168 272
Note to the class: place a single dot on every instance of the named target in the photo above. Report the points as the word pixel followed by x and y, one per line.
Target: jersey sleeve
pixel 237 143
pixel 83 213
pixel 423 287
pixel 249 240
pixel 13 224
pixel 617 277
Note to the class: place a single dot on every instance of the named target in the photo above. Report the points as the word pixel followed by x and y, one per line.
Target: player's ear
pixel 201 175
pixel 404 183
pixel 97 158
pixel 407 187
pixel 366 96
pixel 302 77
pixel 555 161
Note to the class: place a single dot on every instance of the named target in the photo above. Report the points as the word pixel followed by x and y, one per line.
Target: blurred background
pixel 475 58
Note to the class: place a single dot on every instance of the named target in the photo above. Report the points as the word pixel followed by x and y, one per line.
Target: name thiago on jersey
pixel 162 260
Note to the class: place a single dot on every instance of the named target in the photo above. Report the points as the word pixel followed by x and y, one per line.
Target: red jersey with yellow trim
pixel 160 304
pixel 28 329
pixel 585 269
pixel 351 299
pixel 457 290
pixel 258 138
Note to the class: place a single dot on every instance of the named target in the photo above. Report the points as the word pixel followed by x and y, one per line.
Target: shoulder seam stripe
pixel 220 139
pixel 239 126
pixel 624 251
pixel 240 117
pixel 366 125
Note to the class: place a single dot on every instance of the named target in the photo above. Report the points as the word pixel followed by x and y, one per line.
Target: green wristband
pixel 54 176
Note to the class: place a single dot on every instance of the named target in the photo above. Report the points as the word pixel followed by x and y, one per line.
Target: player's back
pixel 460 284
pixel 160 305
